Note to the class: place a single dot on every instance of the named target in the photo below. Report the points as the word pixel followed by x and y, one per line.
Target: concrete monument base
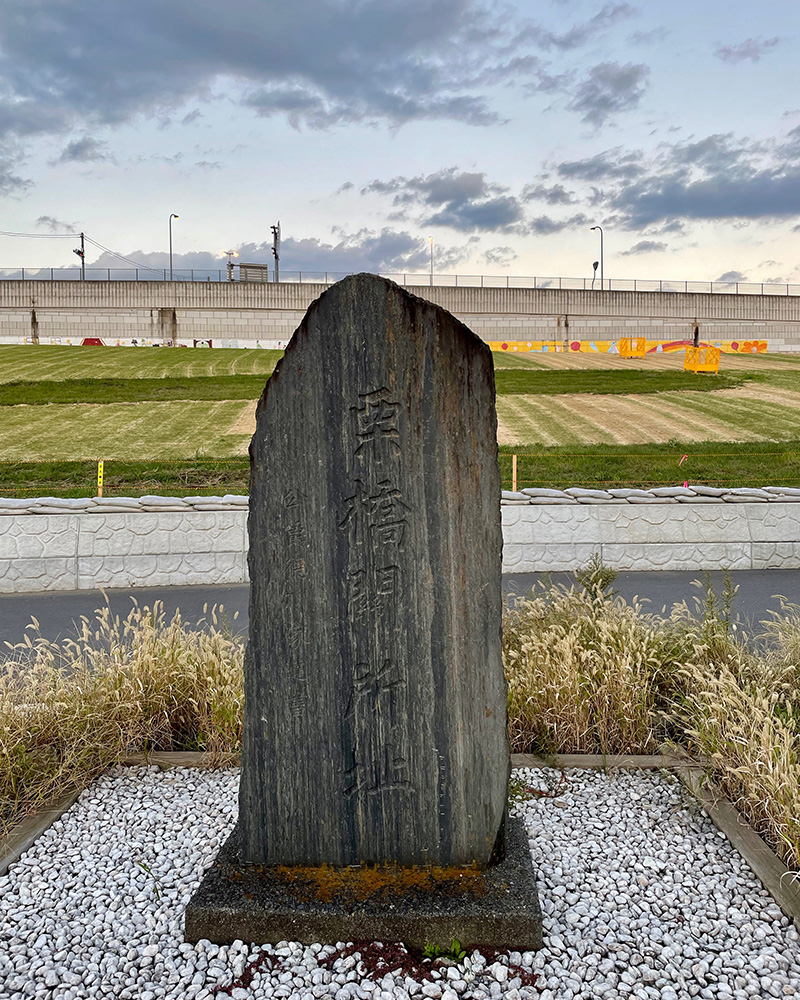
pixel 496 907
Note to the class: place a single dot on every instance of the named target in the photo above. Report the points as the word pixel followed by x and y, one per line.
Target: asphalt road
pixel 58 613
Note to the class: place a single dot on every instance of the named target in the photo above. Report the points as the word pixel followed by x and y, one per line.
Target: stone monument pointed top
pixel 375 701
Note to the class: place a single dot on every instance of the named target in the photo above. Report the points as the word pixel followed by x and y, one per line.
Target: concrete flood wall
pixel 78 551
pixel 241 315
pixel 652 537
pixel 40 552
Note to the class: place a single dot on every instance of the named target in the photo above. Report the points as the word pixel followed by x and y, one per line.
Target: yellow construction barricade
pixel 632 347
pixel 702 359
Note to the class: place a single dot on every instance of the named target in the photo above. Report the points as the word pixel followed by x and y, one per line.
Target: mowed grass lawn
pixel 605 399
pixel 145 405
pixel 46 363
pixel 125 403
pixel 177 430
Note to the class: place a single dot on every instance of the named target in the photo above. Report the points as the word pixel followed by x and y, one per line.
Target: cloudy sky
pixel 502 130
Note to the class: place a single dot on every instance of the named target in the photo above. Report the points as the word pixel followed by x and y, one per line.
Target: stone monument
pixel 375 724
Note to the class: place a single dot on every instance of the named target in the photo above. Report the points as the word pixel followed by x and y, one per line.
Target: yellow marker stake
pixel 514 473
pixel 99 479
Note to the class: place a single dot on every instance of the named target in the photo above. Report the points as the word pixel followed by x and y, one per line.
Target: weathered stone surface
pixel 498 907
pixel 375 701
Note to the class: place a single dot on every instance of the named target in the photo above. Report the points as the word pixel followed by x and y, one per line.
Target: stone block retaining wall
pixel 52 544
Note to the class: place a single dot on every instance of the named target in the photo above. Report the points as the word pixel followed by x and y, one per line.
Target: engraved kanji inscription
pixel 378 450
pixel 377 714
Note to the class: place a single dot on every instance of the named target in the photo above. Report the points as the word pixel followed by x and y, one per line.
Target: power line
pixel 128 260
pixel 73 236
pixel 43 236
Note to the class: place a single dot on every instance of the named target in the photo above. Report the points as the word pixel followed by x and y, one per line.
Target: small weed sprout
pixel 455 953
pixel 149 871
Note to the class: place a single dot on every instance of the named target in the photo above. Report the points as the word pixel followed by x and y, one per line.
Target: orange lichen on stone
pixel 326 883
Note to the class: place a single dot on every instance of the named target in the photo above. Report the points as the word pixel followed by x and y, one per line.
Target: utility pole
pixel 276 248
pixel 82 254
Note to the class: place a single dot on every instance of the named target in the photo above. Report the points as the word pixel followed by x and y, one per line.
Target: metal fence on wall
pixel 440 280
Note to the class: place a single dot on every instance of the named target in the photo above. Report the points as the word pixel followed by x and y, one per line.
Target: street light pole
pixel 172 216
pixel 602 286
pixel 431 239
pixel 231 254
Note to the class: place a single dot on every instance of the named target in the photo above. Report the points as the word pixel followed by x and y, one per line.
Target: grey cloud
pixel 387 251
pixel 447 185
pixel 609 88
pixel 318 62
pixel 500 256
pixel 732 276
pixel 208 165
pixel 651 37
pixel 493 215
pixel 54 225
pixel 675 226
pixel 580 34
pixel 717 153
pixel 468 202
pixel 543 225
pixel 85 150
pixel 719 176
pixel 11 183
pixel 613 164
pixel 459 199
pixel 644 246
pixel 750 48
pixel 768 193
pixel 556 194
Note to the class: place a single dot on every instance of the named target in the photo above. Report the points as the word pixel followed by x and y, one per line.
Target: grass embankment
pixel 103 391
pixel 160 419
pixel 51 363
pixel 609 383
pixel 713 463
pixel 181 477
pixel 110 391
pixel 587 673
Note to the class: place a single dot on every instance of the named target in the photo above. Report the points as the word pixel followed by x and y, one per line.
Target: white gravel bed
pixel 642 897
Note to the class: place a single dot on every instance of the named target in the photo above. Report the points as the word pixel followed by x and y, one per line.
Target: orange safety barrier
pixel 702 359
pixel 632 347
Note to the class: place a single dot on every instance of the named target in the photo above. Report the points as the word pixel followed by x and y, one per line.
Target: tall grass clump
pixel 740 714
pixel 590 673
pixel 586 672
pixel 143 683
